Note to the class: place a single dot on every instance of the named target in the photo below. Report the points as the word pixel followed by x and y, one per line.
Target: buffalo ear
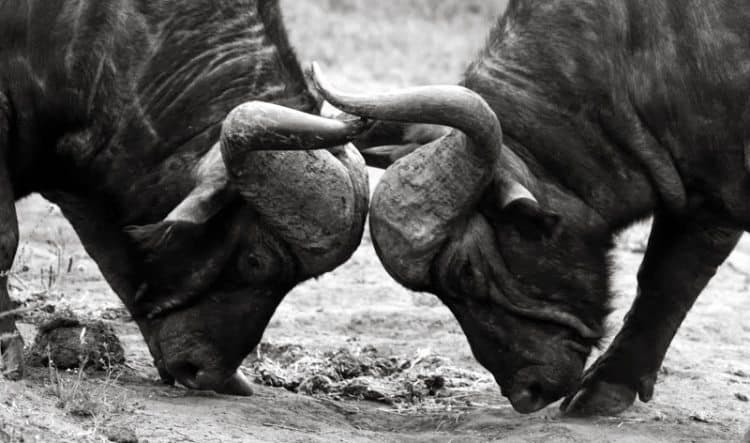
pixel 165 238
pixel 532 221
pixel 186 222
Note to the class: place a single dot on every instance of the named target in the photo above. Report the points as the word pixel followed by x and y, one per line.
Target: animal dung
pixel 66 342
pixel 363 374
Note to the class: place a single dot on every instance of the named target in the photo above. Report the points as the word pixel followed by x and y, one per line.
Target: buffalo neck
pixel 560 109
pixel 118 101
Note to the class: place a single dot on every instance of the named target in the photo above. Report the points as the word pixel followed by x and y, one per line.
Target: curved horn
pixel 421 197
pixel 447 105
pixel 314 201
pixel 265 126
pixel 250 127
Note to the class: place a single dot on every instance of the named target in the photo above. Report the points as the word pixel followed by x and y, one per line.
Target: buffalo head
pixel 462 216
pixel 271 207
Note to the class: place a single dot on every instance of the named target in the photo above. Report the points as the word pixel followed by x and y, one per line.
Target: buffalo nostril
pixel 528 400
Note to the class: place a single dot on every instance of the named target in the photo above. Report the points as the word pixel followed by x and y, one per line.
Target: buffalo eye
pixel 257 266
pixel 531 220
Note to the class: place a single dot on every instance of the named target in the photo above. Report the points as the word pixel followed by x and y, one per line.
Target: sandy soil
pixel 402 341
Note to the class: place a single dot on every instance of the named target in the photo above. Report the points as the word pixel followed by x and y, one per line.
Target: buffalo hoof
pixel 236 385
pixel 599 398
pixel 165 377
pixel 11 356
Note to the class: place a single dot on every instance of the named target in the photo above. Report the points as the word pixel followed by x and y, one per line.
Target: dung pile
pixel 71 343
pixel 362 374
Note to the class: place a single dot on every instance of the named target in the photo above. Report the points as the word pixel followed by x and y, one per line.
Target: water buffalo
pixel 611 111
pixel 118 112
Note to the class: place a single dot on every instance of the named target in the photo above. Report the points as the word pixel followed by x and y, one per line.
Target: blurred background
pixel 390 43
pixel 359 312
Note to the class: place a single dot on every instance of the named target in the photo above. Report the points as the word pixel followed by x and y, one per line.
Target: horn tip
pixel 319 81
pixel 314 67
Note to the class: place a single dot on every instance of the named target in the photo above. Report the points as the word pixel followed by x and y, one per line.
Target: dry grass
pixel 72 406
pixel 95 400
pixel 81 396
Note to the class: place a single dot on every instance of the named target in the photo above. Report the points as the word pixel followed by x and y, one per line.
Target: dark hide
pixel 626 106
pixel 611 111
pixel 110 108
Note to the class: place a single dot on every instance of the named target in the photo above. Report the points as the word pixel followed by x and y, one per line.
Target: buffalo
pixel 577 119
pixel 178 138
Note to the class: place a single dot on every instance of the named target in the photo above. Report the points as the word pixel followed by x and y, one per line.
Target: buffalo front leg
pixel 681 257
pixel 11 343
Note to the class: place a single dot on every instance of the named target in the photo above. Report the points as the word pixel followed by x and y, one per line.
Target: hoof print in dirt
pixel 72 343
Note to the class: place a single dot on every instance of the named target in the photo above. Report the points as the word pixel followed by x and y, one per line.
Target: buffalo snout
pixel 535 387
pixel 202 345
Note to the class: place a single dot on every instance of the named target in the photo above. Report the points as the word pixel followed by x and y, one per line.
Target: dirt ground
pixel 352 356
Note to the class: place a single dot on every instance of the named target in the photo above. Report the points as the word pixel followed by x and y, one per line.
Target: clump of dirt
pixel 363 374
pixel 366 362
pixel 72 343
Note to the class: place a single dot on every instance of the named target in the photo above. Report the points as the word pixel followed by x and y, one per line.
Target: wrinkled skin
pixel 526 355
pixel 201 222
pixel 610 112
